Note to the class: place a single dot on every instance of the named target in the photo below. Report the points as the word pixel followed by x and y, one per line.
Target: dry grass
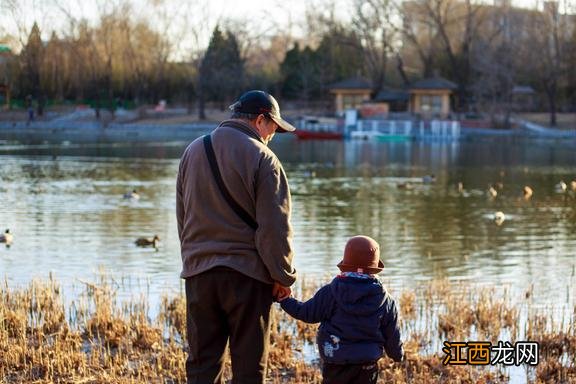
pixel 97 339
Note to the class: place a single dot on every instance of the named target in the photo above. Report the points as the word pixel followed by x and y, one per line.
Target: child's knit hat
pixel 362 254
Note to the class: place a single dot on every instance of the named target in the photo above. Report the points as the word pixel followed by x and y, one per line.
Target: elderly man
pixel 233 211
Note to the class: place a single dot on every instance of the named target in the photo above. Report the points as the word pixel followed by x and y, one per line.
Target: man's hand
pixel 280 292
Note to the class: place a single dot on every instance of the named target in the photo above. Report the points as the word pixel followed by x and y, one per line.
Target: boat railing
pixel 386 127
pixel 439 129
pixel 318 125
pixel 424 129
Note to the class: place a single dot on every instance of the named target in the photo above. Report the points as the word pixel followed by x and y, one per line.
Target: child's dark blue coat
pixel 358 320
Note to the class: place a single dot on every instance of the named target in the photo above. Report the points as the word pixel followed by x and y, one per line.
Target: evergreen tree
pixel 307 73
pixel 30 62
pixel 300 73
pixel 339 55
pixel 221 73
pixel 289 70
pixel 234 68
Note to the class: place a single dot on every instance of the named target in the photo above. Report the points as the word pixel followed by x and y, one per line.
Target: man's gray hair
pixel 246 116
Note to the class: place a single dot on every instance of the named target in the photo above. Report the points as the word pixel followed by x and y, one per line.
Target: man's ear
pixel 259 120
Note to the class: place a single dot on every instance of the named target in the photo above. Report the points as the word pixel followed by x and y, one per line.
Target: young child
pixel 358 318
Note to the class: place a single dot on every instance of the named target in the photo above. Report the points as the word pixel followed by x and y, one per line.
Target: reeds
pixel 96 339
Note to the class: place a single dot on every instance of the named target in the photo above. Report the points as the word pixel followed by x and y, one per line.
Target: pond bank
pixel 58 131
pixel 96 338
pixel 90 132
pixel 536 130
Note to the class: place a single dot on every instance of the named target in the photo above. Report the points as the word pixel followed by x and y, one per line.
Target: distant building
pixel 523 98
pixel 396 99
pixel 499 18
pixel 495 22
pixel 427 98
pixel 350 93
pixel 431 97
pixel 386 101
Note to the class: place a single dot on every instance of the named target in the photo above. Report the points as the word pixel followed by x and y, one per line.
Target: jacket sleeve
pixel 315 310
pixel 274 234
pixel 179 197
pixel 391 331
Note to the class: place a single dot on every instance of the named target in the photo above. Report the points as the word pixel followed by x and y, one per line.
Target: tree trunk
pixel 201 104
pixel 189 100
pixel 553 121
pixel 551 93
pixel 428 70
pixel 400 67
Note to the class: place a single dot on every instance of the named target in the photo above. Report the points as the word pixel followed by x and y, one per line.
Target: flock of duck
pixel 7 237
pixel 492 192
pixel 527 193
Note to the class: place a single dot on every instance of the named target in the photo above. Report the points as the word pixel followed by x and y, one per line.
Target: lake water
pixel 64 205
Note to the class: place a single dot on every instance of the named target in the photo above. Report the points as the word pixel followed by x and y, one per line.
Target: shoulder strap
pixel 245 216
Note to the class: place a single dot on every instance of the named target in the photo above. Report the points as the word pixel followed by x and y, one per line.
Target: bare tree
pixel 494 82
pixel 373 22
pixel 546 48
pixel 448 26
pixel 419 38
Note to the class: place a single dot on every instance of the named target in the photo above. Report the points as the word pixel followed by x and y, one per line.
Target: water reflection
pixel 64 205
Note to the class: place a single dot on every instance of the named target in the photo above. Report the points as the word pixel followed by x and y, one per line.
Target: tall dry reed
pixel 96 338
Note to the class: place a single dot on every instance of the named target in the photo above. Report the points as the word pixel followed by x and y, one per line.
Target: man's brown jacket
pixel 211 233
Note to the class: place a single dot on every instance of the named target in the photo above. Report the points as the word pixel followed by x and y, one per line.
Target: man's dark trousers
pixel 225 304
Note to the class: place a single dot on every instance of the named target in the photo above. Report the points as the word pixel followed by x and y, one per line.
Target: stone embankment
pixel 74 131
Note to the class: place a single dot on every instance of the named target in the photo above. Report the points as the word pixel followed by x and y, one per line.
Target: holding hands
pixel 280 292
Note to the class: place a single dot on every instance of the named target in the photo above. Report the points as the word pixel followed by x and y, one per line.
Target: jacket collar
pixel 242 126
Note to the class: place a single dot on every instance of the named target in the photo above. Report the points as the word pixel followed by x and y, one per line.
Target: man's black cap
pixel 260 102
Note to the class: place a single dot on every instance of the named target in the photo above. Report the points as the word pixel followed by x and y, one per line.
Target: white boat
pixel 383 130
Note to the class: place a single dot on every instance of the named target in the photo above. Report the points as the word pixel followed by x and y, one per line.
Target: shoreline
pixel 99 338
pixel 90 132
pixel 96 132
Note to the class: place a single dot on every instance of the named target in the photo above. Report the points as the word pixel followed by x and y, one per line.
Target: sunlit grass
pixel 96 338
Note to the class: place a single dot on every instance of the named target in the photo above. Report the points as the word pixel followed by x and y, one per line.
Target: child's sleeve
pixel 391 331
pixel 314 310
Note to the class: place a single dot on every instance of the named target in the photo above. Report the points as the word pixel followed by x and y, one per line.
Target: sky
pixel 17 16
